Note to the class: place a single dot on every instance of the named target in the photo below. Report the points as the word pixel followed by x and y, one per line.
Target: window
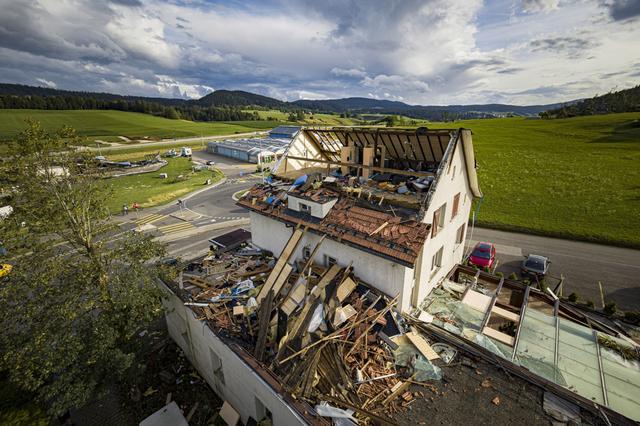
pixel 306 252
pixel 436 260
pixel 460 234
pixel 305 208
pixel 262 412
pixel 329 261
pixel 216 366
pixel 456 204
pixel 453 175
pixel 438 219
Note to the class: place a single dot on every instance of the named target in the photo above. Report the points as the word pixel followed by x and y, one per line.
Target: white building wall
pixel 453 181
pixel 301 146
pixel 317 209
pixel 385 275
pixel 245 390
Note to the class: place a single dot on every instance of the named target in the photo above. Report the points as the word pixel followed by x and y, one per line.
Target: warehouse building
pixel 284 132
pixel 262 151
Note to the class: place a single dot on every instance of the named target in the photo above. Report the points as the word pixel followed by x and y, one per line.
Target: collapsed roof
pixel 418 152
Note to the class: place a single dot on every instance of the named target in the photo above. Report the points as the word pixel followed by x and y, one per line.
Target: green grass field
pixel 575 178
pixel 149 190
pixel 108 125
pixel 310 120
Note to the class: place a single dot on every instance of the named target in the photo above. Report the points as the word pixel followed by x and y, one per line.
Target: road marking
pixel 176 227
pixel 149 218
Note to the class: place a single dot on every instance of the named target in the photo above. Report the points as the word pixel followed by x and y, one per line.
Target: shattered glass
pixel 407 355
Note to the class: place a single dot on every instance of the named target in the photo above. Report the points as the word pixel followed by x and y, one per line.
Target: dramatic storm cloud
pixel 417 51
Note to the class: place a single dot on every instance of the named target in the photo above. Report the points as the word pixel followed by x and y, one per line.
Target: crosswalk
pixel 229 217
pixel 149 218
pixel 176 227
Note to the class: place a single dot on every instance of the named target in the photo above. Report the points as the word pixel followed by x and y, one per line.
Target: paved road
pixel 582 264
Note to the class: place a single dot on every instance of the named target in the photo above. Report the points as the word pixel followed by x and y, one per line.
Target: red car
pixel 483 255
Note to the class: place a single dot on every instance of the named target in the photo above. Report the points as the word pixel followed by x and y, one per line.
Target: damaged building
pixel 350 301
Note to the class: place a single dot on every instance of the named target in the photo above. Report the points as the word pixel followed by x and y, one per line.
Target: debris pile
pixel 330 338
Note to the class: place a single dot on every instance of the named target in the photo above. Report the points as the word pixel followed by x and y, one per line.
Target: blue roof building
pixel 284 132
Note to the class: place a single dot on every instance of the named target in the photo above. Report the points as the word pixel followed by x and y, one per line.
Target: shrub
pixel 513 276
pixel 573 297
pixel 610 308
pixel 500 274
pixel 590 304
pixel 542 284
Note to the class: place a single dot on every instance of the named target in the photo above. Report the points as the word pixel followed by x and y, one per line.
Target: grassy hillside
pixel 577 177
pixel 107 125
pixel 310 120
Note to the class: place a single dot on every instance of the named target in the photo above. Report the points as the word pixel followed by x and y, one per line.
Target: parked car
pixel 483 255
pixel 535 265
pixel 211 163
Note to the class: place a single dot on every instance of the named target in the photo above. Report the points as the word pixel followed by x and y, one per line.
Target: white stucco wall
pixel 453 181
pixel 319 210
pixel 385 275
pixel 242 385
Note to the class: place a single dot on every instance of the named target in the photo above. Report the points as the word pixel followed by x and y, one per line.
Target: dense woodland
pixel 622 101
pixel 184 111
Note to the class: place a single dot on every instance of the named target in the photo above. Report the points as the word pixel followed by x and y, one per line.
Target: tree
pixel 79 292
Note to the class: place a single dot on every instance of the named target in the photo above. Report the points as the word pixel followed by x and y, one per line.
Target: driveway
pixel 582 264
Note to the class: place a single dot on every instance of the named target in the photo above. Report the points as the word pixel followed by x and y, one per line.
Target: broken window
pixel 329 261
pixel 306 252
pixel 456 203
pixel 438 219
pixel 460 234
pixel 436 260
pixel 305 208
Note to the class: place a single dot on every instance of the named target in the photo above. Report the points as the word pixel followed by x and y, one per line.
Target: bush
pixel 573 297
pixel 542 284
pixel 500 274
pixel 610 308
pixel 591 304
pixel 513 276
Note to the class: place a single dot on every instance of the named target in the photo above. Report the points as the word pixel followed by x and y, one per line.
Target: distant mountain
pixel 211 106
pixel 431 112
pixel 627 100
pixel 238 98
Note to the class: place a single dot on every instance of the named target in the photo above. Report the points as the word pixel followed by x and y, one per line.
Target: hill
pixel 238 98
pixel 428 112
pixel 621 101
pixel 224 105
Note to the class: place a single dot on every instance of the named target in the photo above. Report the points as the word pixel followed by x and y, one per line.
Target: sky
pixel 428 52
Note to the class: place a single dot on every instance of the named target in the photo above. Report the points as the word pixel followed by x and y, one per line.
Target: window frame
pixel 455 208
pixel 438 220
pixel 436 260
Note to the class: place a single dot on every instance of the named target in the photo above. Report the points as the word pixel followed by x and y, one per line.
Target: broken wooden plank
pixel 345 289
pixel 506 314
pixel 282 260
pixel 423 347
pixel 263 323
pixel 499 336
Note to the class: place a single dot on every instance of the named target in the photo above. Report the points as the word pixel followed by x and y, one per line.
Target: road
pixel 582 264
pixel 166 142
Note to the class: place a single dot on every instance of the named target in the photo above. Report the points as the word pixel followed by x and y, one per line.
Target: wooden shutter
pixel 456 202
pixel 436 222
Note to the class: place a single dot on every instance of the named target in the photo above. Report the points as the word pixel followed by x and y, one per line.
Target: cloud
pixel 420 51
pixel 47 83
pixel 535 6
pixel 352 72
pixel 573 47
pixel 621 10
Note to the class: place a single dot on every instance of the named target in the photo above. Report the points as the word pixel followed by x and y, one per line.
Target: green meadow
pixel 108 125
pixel 576 178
